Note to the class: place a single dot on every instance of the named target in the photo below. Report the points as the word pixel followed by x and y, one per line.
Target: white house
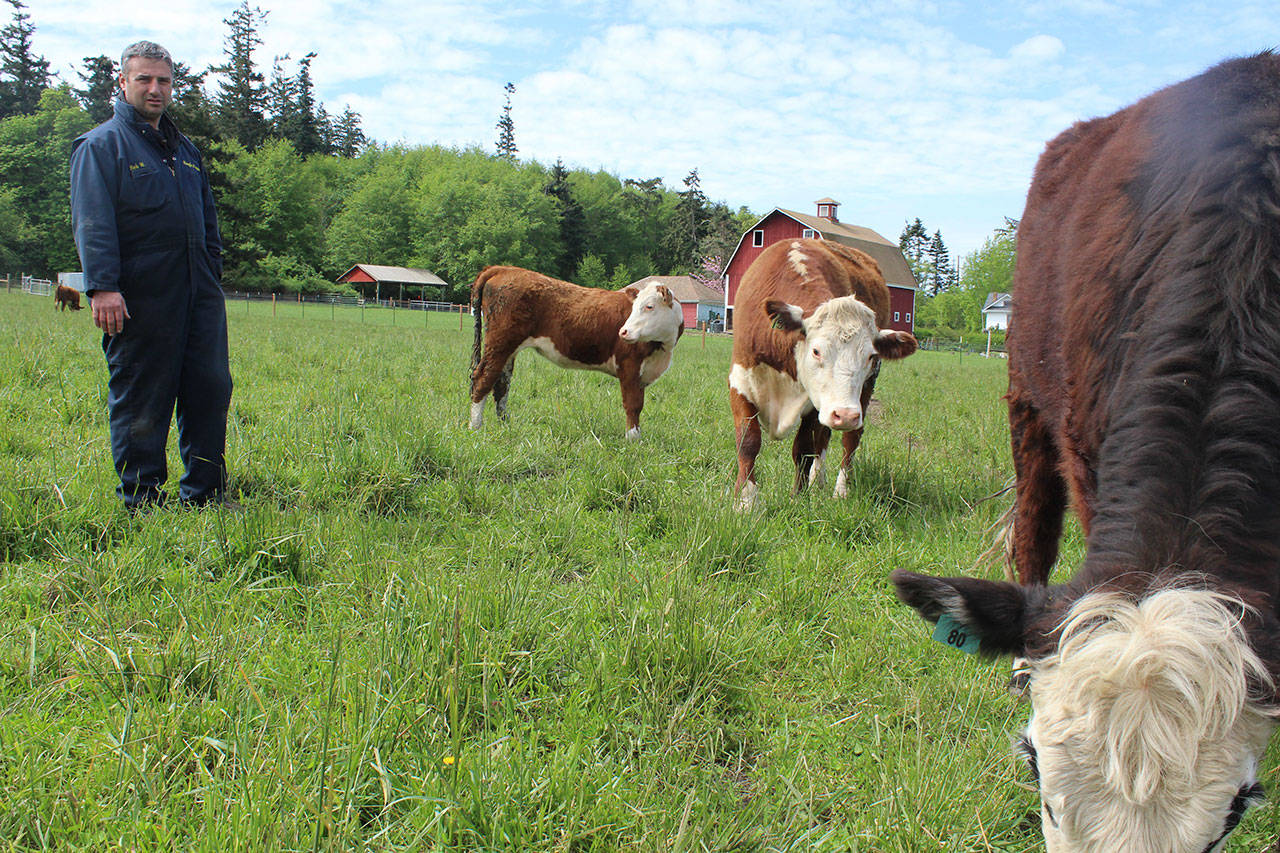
pixel 996 311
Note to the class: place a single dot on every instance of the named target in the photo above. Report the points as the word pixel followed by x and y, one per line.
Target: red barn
pixel 788 224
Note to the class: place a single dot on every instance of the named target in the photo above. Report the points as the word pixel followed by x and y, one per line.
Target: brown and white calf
pixel 629 333
pixel 808 336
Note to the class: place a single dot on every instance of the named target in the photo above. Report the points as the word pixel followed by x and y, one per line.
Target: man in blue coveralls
pixel 148 238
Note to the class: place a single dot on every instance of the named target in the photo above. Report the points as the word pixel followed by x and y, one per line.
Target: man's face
pixel 147 86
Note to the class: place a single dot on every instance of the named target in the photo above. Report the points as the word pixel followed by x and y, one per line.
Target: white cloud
pixel 1038 49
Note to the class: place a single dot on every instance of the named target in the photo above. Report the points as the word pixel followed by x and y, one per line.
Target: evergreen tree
pixel 941 275
pixel 292 104
pixel 348 139
pixel 23 75
pixel 591 271
pixel 619 278
pixel 688 225
pixel 242 96
pixel 507 128
pixel 914 242
pixel 191 110
pixel 721 232
pixel 100 78
pixel 324 126
pixel 279 102
pixel 573 223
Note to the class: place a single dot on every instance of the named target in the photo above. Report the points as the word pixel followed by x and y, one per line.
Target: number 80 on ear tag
pixel 956 635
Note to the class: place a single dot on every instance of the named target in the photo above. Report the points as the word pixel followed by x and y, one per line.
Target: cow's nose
pixel 846 418
pixel 624 334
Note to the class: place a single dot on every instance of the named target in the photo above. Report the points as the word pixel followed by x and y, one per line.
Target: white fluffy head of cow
pixel 656 315
pixel 838 349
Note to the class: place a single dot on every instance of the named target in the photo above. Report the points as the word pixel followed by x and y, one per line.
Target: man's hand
pixel 109 311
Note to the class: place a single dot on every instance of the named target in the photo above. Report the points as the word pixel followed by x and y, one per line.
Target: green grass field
pixel 533 637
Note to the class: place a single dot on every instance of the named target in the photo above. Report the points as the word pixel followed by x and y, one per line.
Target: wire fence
pixel 348 300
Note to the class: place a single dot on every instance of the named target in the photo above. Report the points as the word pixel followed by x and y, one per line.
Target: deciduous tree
pixel 35 155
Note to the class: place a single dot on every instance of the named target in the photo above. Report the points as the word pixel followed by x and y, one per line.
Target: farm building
pixel 783 224
pixel 396 280
pixel 701 304
pixel 996 311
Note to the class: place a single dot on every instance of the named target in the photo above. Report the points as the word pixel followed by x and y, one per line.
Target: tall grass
pixel 537 636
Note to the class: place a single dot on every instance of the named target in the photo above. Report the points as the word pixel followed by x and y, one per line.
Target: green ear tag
pixel 956 635
pixel 775 323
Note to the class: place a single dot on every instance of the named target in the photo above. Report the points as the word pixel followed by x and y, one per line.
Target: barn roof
pixel 392 275
pixel 892 263
pixel 685 288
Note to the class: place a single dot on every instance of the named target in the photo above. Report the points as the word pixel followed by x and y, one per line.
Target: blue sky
pixel 935 110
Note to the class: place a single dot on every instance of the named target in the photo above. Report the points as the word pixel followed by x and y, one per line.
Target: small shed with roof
pixel 996 311
pixel 701 304
pixel 782 224
pixel 395 279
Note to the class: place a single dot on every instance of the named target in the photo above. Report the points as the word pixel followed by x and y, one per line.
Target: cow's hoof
pixel 842 485
pixel 633 434
pixel 477 415
pixel 747 498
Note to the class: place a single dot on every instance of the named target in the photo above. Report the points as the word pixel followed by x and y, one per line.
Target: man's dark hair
pixel 145 50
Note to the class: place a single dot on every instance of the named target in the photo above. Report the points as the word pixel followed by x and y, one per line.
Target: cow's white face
pixel 656 315
pixel 1142 736
pixel 838 350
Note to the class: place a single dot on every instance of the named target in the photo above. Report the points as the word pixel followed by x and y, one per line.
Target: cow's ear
pixel 995 611
pixel 785 316
pixel 666 294
pixel 894 344
pixel 632 292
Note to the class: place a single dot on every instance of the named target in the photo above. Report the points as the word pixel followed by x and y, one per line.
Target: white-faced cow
pixel 1144 386
pixel 808 336
pixel 629 333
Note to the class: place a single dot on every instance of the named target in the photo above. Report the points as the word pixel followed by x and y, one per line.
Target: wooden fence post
pixel 273 306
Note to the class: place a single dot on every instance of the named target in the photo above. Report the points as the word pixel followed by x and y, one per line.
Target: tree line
pixel 303 195
pixel 949 304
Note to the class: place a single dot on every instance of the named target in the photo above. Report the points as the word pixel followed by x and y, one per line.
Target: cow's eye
pixel 648 307
pixel 816 353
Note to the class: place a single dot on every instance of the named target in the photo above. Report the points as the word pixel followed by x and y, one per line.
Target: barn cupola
pixel 827 208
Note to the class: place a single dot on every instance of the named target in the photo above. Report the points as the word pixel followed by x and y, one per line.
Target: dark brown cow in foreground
pixel 808 335
pixel 66 297
pixel 629 333
pixel 1144 386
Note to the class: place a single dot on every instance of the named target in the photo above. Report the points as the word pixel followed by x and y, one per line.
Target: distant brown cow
pixel 1144 388
pixel 628 333
pixel 66 297
pixel 808 335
